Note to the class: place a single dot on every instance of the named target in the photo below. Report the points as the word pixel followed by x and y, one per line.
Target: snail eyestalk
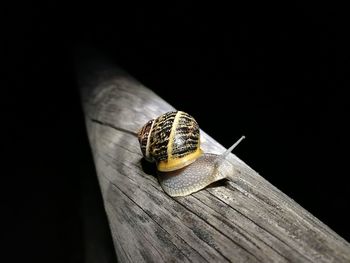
pixel 227 152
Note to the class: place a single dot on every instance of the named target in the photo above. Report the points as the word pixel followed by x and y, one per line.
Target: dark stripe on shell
pixel 160 136
pixel 186 137
pixel 143 136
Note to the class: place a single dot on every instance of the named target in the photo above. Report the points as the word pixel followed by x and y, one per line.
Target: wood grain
pixel 243 220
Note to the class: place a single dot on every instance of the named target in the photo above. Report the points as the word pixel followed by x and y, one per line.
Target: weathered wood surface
pixel 244 220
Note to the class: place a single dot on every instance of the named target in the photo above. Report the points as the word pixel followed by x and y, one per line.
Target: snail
pixel 172 141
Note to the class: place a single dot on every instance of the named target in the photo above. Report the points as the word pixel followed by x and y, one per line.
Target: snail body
pixel 173 141
pixel 195 176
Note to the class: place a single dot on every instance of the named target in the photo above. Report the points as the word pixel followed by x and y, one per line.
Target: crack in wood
pixel 200 236
pixel 150 216
pixel 263 228
pixel 194 231
pixel 234 241
pixel 106 124
pixel 239 229
pixel 151 243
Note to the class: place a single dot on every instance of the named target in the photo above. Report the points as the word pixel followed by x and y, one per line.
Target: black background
pixel 277 74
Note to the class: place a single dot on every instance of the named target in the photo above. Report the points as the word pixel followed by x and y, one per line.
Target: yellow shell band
pixel 174 164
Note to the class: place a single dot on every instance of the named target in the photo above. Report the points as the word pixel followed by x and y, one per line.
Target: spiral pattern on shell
pixel 172 140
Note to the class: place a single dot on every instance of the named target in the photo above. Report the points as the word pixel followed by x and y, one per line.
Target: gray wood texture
pixel 243 220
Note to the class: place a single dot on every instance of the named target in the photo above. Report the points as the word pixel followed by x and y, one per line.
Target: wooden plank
pixel 243 220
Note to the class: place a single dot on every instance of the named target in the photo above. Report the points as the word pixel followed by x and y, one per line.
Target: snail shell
pixel 173 141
